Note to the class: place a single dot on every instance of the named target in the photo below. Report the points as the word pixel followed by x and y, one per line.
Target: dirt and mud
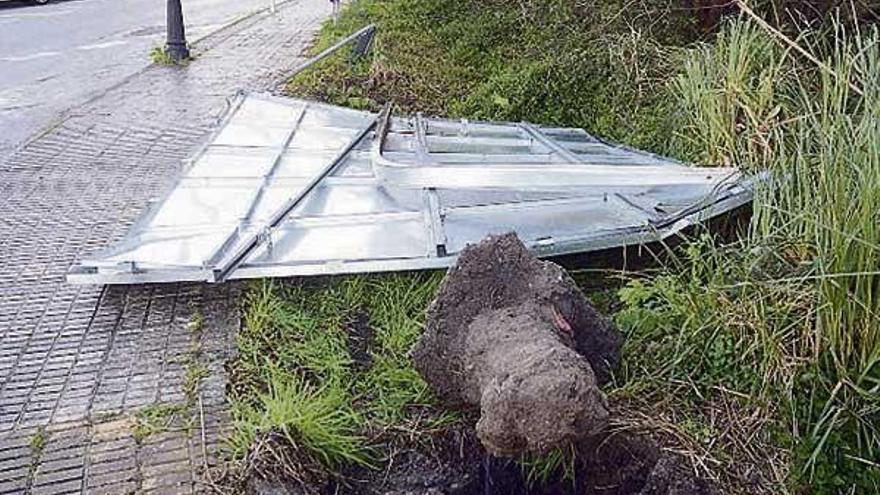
pixel 497 273
pixel 535 393
pixel 453 462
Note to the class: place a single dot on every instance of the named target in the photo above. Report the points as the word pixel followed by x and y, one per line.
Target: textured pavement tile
pixel 13 485
pixel 81 361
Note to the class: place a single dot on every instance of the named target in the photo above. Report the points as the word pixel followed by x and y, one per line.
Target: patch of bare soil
pixel 454 463
pixel 359 340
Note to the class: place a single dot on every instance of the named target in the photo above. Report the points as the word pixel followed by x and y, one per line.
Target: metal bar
pixel 478 160
pixel 362 45
pixel 384 122
pixel 279 153
pixel 583 176
pixel 221 271
pixel 473 144
pixel 433 218
pixel 423 156
pixel 546 141
pixel 436 230
pixel 339 44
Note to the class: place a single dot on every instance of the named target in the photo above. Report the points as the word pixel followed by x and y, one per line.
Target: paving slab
pixel 79 365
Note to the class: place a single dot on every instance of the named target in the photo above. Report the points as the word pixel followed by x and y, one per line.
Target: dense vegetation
pixel 789 314
pixel 592 64
pixel 759 359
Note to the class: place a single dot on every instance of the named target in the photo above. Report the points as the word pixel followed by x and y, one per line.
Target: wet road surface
pixel 55 56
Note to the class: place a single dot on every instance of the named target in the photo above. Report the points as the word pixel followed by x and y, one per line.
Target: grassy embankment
pixel 757 360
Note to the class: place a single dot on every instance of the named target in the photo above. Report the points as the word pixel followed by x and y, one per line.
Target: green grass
pixel 196 371
pixel 828 161
pixel 160 418
pixel 37 445
pixel 596 65
pixel 730 96
pixel 295 379
pixel 38 441
pixel 159 56
pixel 540 469
pixel 317 419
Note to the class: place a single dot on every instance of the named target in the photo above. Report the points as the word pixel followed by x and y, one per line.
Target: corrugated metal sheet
pixel 288 187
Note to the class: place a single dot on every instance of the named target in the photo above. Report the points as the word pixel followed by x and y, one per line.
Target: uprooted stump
pixel 514 336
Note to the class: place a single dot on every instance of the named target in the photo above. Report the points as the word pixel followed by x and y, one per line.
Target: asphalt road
pixel 57 55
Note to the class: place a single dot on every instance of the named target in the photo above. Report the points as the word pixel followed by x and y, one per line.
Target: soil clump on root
pixel 514 337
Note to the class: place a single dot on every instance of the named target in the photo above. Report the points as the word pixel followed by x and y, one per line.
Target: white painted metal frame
pixel 286 187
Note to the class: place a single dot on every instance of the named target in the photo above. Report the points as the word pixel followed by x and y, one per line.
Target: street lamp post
pixel 175 45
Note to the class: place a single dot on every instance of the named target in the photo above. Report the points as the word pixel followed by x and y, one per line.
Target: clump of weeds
pixel 297 395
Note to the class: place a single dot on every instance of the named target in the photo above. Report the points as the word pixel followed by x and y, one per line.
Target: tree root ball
pixel 514 336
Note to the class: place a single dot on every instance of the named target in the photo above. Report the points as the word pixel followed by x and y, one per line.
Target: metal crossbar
pixel 368 30
pixel 234 235
pixel 221 270
pixel 546 141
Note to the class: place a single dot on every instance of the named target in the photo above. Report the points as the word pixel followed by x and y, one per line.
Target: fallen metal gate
pixel 288 187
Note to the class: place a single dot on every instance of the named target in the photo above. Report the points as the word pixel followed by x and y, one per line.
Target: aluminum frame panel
pixel 286 187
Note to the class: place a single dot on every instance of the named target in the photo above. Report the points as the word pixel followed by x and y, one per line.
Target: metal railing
pixel 363 39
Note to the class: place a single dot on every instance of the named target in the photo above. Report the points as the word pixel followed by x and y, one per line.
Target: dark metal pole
pixel 175 46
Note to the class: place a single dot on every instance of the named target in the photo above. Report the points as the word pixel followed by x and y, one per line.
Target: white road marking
pixel 98 46
pixel 33 56
pixel 38 55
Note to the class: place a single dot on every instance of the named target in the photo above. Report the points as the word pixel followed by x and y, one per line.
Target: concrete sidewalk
pixel 121 390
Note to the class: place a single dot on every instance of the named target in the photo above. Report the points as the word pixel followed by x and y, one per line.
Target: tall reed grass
pixel 814 239
pixel 827 204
